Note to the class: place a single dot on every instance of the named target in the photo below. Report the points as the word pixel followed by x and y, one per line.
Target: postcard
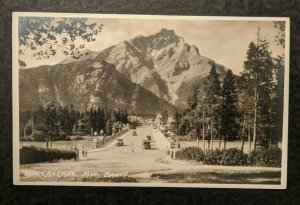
pixel 150 101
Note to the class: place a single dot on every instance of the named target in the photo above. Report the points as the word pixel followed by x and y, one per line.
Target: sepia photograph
pixel 150 100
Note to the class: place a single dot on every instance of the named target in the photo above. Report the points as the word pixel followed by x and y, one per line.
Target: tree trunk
pixel 24 131
pixel 242 146
pixel 249 136
pixel 211 134
pixel 32 123
pixel 243 132
pixel 203 130
pixel 255 118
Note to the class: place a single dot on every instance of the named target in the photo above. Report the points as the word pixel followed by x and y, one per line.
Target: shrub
pixel 39 136
pixel 266 157
pixel 27 138
pixel 32 154
pixel 213 157
pixel 78 138
pixel 233 157
pixel 190 153
pixel 60 136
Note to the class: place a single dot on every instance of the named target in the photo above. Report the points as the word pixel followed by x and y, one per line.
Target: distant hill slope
pixel 85 84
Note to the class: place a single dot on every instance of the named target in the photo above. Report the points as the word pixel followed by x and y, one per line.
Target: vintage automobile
pixel 147 142
pixel 120 142
pixel 134 133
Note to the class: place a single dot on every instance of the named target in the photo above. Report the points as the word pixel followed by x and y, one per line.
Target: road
pixel 132 157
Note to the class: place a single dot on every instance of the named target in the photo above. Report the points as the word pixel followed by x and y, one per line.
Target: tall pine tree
pixel 258 75
pixel 213 98
pixel 229 125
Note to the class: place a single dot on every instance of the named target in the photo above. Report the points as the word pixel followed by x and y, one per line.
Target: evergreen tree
pixel 108 127
pixel 213 98
pixel 229 125
pixel 176 121
pixel 258 74
pixel 193 100
pixel 48 122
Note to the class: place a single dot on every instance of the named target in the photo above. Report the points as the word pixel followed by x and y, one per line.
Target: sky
pixel 224 41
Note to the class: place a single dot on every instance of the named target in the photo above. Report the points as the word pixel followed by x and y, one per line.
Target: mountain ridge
pixel 162 63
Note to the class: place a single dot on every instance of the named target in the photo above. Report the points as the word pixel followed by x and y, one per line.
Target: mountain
pixel 85 84
pixel 162 63
pixel 155 71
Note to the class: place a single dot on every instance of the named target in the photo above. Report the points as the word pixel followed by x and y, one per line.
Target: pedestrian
pixel 77 153
pixel 85 151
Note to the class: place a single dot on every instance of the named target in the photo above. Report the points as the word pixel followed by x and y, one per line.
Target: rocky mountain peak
pixel 166 32
pixel 163 63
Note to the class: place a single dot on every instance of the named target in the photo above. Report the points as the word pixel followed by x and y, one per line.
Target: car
pixel 120 142
pixel 134 133
pixel 147 144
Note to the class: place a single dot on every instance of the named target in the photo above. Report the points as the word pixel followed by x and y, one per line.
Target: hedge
pixel 232 157
pixel 32 154
pixel 191 153
pixel 266 157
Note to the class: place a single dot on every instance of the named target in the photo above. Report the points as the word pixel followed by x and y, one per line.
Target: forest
pixel 248 106
pixel 53 122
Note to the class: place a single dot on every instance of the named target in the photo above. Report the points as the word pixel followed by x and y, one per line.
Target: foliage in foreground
pixel 32 154
pixel 270 157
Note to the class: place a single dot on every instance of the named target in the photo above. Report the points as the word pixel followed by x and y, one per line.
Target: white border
pixel 15 96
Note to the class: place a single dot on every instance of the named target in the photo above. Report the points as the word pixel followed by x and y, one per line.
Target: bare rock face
pixel 161 63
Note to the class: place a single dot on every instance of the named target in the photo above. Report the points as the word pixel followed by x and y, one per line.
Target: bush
pixel 39 136
pixel 27 138
pixel 213 157
pixel 60 136
pixel 190 153
pixel 266 157
pixel 233 157
pixel 32 154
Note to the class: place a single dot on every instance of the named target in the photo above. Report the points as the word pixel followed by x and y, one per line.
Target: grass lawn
pixel 263 177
